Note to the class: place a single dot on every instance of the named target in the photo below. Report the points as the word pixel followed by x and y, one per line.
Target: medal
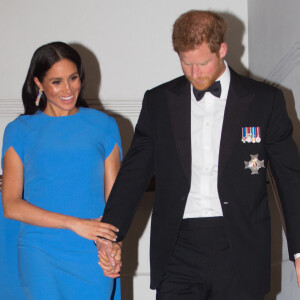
pixel 251 135
pixel 254 164
pixel 258 139
pixel 244 135
pixel 248 137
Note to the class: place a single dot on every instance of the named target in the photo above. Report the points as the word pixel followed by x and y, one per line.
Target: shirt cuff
pixel 296 255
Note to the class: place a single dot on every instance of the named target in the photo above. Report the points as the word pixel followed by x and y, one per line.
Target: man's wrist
pixel 297 255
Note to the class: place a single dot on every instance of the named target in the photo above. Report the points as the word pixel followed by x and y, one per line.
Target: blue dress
pixel 10 288
pixel 63 159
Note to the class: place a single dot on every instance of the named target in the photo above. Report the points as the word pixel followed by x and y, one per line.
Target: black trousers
pixel 202 267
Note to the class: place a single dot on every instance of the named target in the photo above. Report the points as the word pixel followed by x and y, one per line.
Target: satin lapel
pixel 238 102
pixel 179 104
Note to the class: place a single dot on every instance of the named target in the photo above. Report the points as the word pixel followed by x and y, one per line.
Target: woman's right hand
pixel 92 228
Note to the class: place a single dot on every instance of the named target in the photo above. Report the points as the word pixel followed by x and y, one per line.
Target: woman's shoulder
pixel 96 117
pixel 23 124
pixel 18 122
pixel 102 126
pixel 24 120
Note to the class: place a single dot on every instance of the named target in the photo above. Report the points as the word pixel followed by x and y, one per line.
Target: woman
pixel 60 160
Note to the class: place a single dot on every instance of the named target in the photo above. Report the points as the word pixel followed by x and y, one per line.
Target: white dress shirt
pixel 206 127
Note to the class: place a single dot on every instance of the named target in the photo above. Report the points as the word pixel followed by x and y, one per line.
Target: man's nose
pixel 195 72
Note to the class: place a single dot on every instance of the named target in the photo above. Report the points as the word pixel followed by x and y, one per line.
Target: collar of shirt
pixel 224 80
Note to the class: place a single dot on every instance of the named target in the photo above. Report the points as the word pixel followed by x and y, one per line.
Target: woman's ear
pixel 38 83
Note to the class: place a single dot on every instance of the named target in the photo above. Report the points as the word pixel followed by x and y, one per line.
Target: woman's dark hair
pixel 42 60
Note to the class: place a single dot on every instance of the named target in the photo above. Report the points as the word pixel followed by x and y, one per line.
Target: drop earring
pixel 38 98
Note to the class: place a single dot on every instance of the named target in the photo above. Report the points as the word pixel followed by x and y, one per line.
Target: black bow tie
pixel 214 89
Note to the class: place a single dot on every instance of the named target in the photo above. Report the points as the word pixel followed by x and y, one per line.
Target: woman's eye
pixel 56 82
pixel 73 78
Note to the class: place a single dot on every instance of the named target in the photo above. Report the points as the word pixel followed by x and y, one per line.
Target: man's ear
pixel 223 50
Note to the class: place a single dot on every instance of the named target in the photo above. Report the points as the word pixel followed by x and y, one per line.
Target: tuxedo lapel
pixel 237 105
pixel 179 104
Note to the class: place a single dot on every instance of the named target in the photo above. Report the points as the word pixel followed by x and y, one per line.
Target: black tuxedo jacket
pixel 162 146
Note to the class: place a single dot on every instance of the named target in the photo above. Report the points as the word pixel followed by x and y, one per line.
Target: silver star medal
pixel 254 164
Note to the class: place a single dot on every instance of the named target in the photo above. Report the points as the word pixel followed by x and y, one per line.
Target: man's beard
pixel 203 83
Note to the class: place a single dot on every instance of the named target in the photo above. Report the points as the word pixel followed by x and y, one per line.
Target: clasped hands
pixel 104 236
pixel 109 254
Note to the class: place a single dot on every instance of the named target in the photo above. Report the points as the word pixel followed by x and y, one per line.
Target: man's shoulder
pixel 174 84
pixel 251 83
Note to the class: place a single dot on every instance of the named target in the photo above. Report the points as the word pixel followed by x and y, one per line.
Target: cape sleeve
pixel 112 137
pixel 13 137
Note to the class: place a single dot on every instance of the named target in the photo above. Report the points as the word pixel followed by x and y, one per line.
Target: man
pixel 208 137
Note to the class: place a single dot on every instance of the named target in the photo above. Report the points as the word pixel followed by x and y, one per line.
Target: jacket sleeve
pixel 133 177
pixel 285 165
